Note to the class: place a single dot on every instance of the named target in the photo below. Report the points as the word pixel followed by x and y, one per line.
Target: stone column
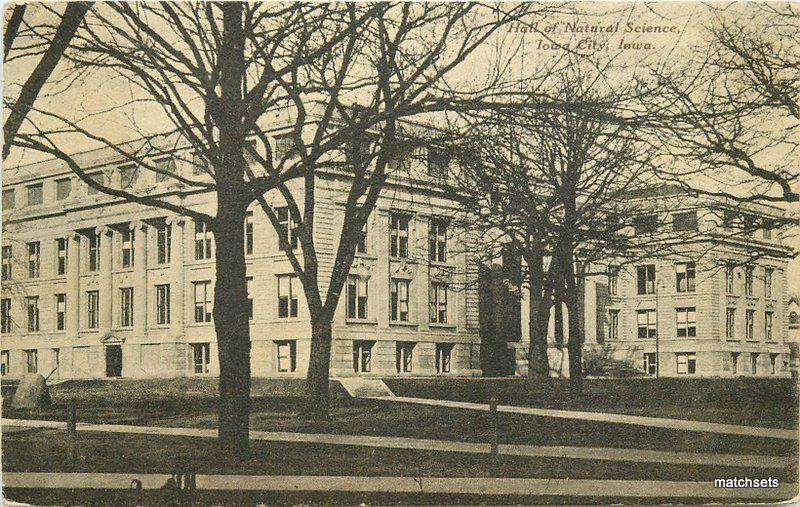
pixel 105 287
pixel 177 287
pixel 139 278
pixel 73 286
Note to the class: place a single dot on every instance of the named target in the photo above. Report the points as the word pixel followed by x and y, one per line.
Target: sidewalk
pixel 566 452
pixel 654 422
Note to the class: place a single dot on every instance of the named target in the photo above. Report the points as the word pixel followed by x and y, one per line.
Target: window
pixel 686 320
pixel 94 252
pixel 748 280
pixel 202 301
pixel 248 233
pixel 438 303
pixel 398 235
pixel 32 304
pixel 730 323
pixel 167 167
pixel 773 363
pixel 649 364
pixel 162 304
pixel 684 276
pixel 646 279
pixel 356 297
pixel 399 300
pixel 9 198
pixel 61 311
pixel 754 362
pixel 768 326
pixel 33 259
pixel 92 309
pixel 404 356
pixel 34 194
pixel 687 363
pixel 682 222
pixel 249 281
pixel 438 162
pixel 613 324
pixel 5 363
pixel 201 356
pixel 63 188
pixel 287 355
pixel 200 165
pixel 202 241
pixel 734 362
pixel 31 361
pixel 750 316
pixel 768 282
pixel 5 315
pixel 61 255
pixel 729 278
pixel 646 224
pixel 285 147
pixel 287 230
pixel 362 356
pixel 128 240
pixel 613 280
pixel 794 318
pixel 443 352
pixel 164 243
pixel 646 323
pixel 287 299
pixel 767 226
pixel 126 306
pixel 7 262
pixel 128 176
pixel 97 177
pixel 437 241
pixel 361 246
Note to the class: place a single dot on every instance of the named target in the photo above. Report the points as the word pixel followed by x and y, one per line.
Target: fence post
pixel 493 425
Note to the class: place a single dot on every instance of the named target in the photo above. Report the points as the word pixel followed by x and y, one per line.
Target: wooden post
pixel 493 425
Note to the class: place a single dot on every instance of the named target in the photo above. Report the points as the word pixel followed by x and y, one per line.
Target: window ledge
pixel 352 320
pixel 436 325
pixel 402 323
pixel 367 256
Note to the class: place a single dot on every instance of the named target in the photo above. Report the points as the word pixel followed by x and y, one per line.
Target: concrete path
pixel 654 422
pixel 428 485
pixel 567 452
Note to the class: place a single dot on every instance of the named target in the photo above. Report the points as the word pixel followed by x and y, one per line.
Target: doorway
pixel 113 361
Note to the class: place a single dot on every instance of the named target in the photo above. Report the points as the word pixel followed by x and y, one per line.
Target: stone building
pixel 97 287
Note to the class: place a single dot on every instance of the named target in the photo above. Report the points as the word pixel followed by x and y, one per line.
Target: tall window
pixel 768 282
pixel 768 326
pixel 437 241
pixel 613 280
pixel 287 298
pixel 201 357
pixel 249 281
pixel 202 301
pixel 128 176
pixel 646 325
pixel 61 311
pixel 126 306
pixel 32 304
pixel 94 252
pixel 438 303
pixel 7 254
pixel 63 188
pixel 684 276
pixel 613 324
pixel 92 309
pixel 404 357
pixel 97 177
pixel 686 221
pixel 285 147
pixel 646 279
pixel 438 162
pixel 162 304
pixel 649 364
pixel 200 165
pixel 686 320
pixel 128 240
pixel 61 252
pixel 687 363
pixel 398 235
pixel 734 362
pixel 166 166
pixel 5 363
pixel 443 353
pixel 202 241
pixel 9 198
pixel 248 233
pixel 399 300
pixel 730 323
pixel 287 229
pixel 34 194
pixel 32 361
pixel 729 278
pixel 645 224
pixel 754 362
pixel 356 297
pixel 164 243
pixel 34 251
pixel 361 246
pixel 750 317
pixel 362 356
pixel 287 356
pixel 5 315
pixel 748 280
pixel 773 363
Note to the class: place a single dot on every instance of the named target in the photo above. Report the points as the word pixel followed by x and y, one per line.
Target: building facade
pixel 97 287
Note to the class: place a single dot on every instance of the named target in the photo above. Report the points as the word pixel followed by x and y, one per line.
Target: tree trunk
pixel 538 365
pixel 317 400
pixel 575 342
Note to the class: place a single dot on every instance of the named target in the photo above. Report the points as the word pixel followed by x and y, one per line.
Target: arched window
pixel 793 319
